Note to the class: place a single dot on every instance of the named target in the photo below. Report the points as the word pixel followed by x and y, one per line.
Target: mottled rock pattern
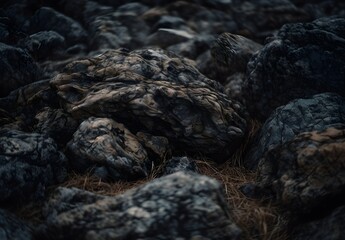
pixel 29 162
pixel 13 228
pixel 193 207
pixel 303 59
pixel 316 113
pixel 307 174
pixel 177 164
pixel 17 69
pixel 157 147
pixel 108 149
pixel 157 92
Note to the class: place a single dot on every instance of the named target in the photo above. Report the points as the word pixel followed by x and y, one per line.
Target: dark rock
pixel 330 227
pixel 165 37
pixel 193 207
pixel 109 149
pixel 133 9
pixel 302 115
pixel 177 164
pixel 171 22
pixel 234 87
pixel 305 59
pixel 29 163
pixel 233 52
pixel 46 19
pixel 13 228
pixel 155 92
pixel 43 45
pixel 17 69
pixel 307 174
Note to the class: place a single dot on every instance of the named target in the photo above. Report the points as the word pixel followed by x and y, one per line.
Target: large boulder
pixel 13 228
pixel 302 115
pixel 303 59
pixel 109 149
pixel 29 162
pixel 17 69
pixel 157 92
pixel 178 206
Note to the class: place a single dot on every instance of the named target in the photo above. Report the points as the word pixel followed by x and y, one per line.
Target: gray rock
pixel 234 87
pixel 13 228
pixel 133 9
pixel 17 69
pixel 29 162
pixel 330 227
pixel 165 37
pixel 304 59
pixel 177 164
pixel 193 207
pixel 46 19
pixel 302 115
pixel 103 145
pixel 155 92
pixel 307 174
pixel 171 22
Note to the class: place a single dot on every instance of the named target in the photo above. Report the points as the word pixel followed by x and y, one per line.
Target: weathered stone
pixel 29 162
pixel 43 45
pixel 133 9
pixel 177 164
pixel 302 115
pixel 46 19
pixel 165 37
pixel 193 207
pixel 109 149
pixel 307 174
pixel 156 92
pixel 171 22
pixel 233 51
pixel 304 59
pixel 330 227
pixel 13 228
pixel 234 87
pixel 17 69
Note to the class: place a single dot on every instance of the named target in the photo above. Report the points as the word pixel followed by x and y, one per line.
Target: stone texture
pixel 304 59
pixel 165 37
pixel 302 115
pixel 17 69
pixel 177 164
pixel 157 92
pixel 13 228
pixel 108 149
pixel 307 174
pixel 192 206
pixel 29 162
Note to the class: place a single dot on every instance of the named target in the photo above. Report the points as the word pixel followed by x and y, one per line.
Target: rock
pixel 306 175
pixel 43 45
pixel 13 228
pixel 17 69
pixel 302 115
pixel 105 146
pixel 177 164
pixel 304 59
pixel 233 51
pixel 170 22
pixel 30 162
pixel 155 92
pixel 234 87
pixel 133 9
pixel 46 19
pixel 165 37
pixel 193 207
pixel 330 227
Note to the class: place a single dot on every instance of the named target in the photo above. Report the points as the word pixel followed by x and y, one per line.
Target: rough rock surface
pixel 17 69
pixel 108 149
pixel 316 113
pixel 307 174
pixel 157 92
pixel 13 228
pixel 177 164
pixel 29 162
pixel 303 59
pixel 193 207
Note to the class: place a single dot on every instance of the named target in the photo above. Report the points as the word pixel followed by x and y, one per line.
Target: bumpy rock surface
pixel 29 162
pixel 306 174
pixel 109 149
pixel 157 92
pixel 17 69
pixel 330 227
pixel 304 59
pixel 193 207
pixel 177 164
pixel 13 228
pixel 301 115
